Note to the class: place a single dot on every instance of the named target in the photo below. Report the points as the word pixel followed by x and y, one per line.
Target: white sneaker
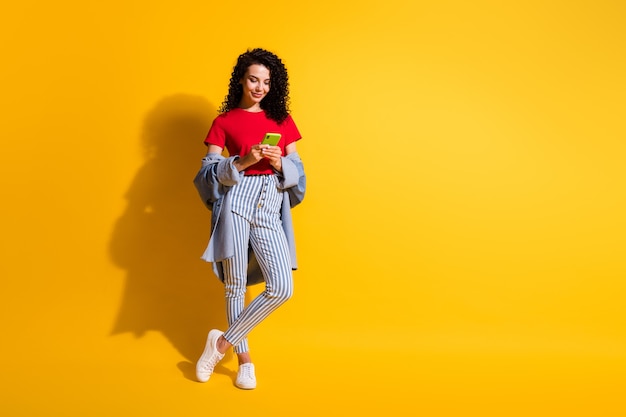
pixel 210 357
pixel 245 376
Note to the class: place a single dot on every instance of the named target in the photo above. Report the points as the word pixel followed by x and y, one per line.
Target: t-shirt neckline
pixel 251 112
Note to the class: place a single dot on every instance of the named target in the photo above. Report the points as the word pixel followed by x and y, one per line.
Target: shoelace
pixel 209 364
pixel 246 372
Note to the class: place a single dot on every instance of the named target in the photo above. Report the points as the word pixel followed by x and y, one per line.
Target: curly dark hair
pixel 276 102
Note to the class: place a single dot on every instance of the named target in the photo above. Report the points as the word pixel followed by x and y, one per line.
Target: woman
pixel 250 194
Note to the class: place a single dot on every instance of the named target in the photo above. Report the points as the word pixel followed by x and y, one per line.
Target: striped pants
pixel 256 203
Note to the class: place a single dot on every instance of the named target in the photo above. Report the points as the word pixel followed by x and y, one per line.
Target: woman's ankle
pixel 244 358
pixel 222 344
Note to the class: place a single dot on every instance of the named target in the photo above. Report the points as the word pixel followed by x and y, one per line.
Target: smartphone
pixel 271 139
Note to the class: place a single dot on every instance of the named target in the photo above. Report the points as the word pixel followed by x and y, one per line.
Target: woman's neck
pixel 252 108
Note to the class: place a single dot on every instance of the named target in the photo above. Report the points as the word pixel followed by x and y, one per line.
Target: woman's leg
pixel 270 247
pixel 235 278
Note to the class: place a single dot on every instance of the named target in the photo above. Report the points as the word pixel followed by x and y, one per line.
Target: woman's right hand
pixel 251 158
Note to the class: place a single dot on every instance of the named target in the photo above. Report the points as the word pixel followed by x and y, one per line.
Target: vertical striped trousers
pixel 256 203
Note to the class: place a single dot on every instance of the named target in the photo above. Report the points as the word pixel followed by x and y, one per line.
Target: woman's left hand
pixel 274 154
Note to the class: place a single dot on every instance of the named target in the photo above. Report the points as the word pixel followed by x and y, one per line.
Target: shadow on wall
pixel 163 232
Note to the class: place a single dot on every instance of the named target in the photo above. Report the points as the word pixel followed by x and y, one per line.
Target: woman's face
pixel 256 84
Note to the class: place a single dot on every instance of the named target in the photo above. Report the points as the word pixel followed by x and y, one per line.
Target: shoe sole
pixel 244 387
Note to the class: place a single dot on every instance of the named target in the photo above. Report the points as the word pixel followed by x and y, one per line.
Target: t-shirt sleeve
pixel 291 131
pixel 216 135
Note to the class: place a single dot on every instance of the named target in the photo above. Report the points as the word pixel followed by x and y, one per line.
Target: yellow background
pixel 461 245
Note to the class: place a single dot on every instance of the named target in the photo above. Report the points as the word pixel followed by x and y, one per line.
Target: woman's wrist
pixel 278 167
pixel 240 164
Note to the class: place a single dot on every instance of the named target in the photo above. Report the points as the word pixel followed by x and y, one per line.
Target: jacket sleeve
pixel 293 179
pixel 215 177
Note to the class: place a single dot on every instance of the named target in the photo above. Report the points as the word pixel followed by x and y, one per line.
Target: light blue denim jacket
pixel 215 178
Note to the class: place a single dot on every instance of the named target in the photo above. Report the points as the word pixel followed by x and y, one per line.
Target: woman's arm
pixel 215 149
pixel 241 163
pixel 291 148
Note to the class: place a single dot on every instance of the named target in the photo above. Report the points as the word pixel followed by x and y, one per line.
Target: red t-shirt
pixel 237 130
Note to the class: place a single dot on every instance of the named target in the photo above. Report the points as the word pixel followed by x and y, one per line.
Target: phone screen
pixel 271 139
